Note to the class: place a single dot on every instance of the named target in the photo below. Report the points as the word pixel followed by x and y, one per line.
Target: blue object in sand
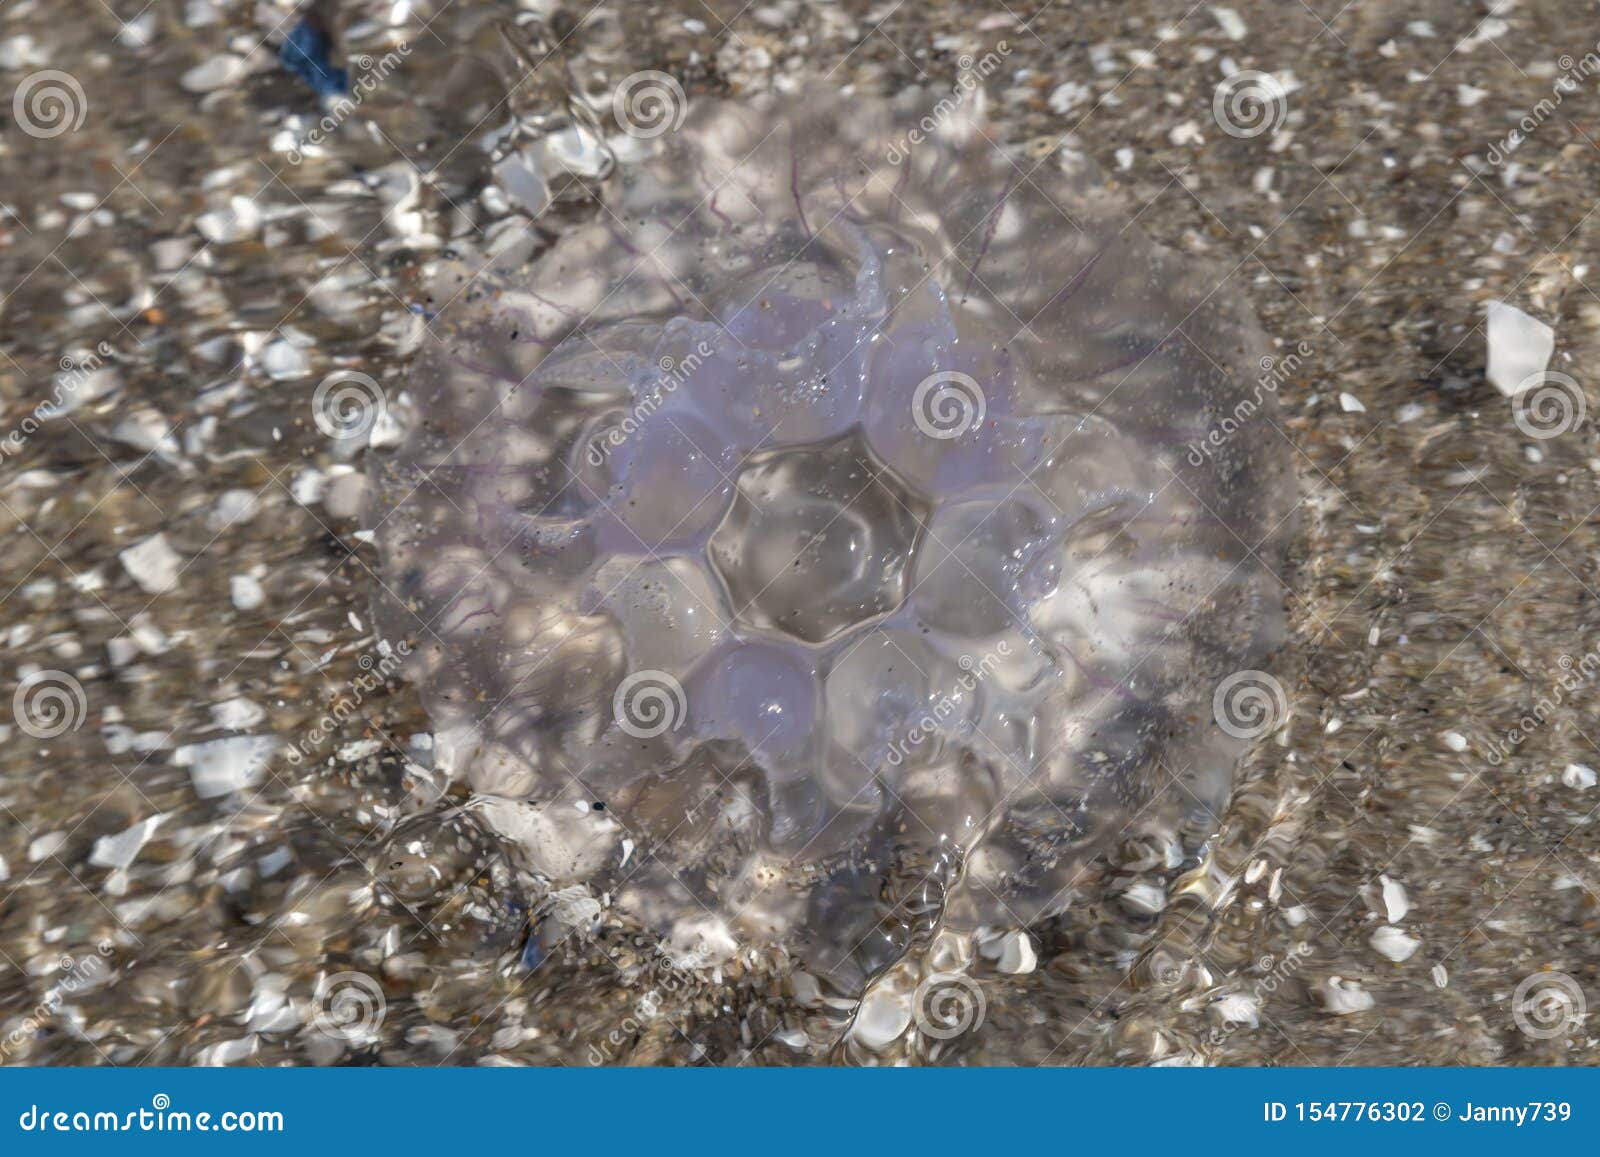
pixel 307 54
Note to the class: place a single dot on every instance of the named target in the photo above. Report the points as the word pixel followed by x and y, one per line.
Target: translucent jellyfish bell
pixel 855 520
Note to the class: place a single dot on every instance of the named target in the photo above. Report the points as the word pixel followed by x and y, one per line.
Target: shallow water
pixel 750 485
pixel 238 830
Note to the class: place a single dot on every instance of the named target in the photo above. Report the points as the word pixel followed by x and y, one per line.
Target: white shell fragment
pixel 1520 347
pixel 153 564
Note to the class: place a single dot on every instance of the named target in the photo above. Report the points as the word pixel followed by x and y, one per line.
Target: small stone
pixel 46 845
pixel 1068 96
pixel 153 564
pixel 1017 955
pixel 232 506
pixel 1520 347
pixel 1351 404
pixel 238 222
pixel 220 766
pixel 881 1020
pixel 1395 901
pixel 219 71
pixel 1236 1010
pixel 1578 776
pixel 1454 740
pixel 1391 942
pixel 1341 997
pixel 245 592
pixel 1231 23
pixel 237 714
pixel 119 851
pixel 284 361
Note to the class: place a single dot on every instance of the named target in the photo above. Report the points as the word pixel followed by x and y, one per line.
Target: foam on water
pixel 825 510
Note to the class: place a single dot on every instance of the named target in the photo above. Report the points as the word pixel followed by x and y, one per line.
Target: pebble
pixel 1520 347
pixel 245 592
pixel 284 361
pixel 1236 1009
pixel 119 851
pixel 1395 901
pixel 237 714
pixel 219 71
pixel 46 845
pixel 1578 776
pixel 238 222
pixel 881 1020
pixel 1391 942
pixel 153 564
pixel 220 766
pixel 232 506
pixel 1068 96
pixel 1017 954
pixel 1341 997
pixel 1231 23
pixel 1454 740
